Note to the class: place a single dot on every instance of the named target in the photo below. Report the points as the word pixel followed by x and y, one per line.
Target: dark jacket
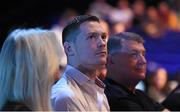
pixel 120 98
pixel 172 102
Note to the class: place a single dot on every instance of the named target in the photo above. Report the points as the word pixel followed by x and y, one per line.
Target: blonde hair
pixel 28 62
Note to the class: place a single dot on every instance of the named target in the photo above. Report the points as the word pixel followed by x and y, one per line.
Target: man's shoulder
pixel 63 93
pixel 62 88
pixel 61 97
pixel 114 90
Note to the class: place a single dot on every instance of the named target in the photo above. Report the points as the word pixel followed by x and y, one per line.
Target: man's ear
pixel 69 48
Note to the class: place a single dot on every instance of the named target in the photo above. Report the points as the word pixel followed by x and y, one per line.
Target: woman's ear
pixel 69 48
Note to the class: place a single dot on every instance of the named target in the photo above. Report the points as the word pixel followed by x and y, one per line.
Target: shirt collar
pixel 78 76
pixel 81 78
pixel 99 83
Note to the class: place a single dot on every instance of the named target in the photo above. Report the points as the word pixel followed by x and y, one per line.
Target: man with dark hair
pixel 126 66
pixel 79 89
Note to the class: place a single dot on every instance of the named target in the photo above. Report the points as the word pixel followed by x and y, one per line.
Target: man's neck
pixel 91 73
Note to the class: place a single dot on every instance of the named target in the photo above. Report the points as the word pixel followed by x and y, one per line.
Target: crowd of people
pixel 90 62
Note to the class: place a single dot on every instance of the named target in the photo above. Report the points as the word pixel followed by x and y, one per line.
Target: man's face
pixel 90 45
pixel 130 61
pixel 160 78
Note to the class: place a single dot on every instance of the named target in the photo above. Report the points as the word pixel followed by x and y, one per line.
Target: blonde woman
pixel 28 62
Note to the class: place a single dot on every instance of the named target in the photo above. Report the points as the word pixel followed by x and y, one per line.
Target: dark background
pixel 34 13
pixel 39 13
pixel 43 13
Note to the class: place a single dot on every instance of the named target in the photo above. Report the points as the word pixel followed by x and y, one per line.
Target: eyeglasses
pixel 134 54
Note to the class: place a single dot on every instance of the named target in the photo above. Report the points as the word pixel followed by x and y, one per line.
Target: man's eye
pixel 93 36
pixel 134 54
pixel 104 37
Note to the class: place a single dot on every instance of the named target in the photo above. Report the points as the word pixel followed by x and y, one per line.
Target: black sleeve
pixel 158 106
pixel 148 103
pixel 124 104
pixel 172 102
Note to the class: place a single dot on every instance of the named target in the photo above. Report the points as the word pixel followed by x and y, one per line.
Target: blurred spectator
pixel 138 8
pixel 152 24
pixel 117 28
pixel 169 18
pixel 172 102
pixel 99 8
pixel 122 13
pixel 176 6
pixel 28 62
pixel 159 87
pixel 152 14
pixel 64 17
pixel 153 29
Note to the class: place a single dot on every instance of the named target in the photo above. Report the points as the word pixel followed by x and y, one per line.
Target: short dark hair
pixel 72 29
pixel 115 41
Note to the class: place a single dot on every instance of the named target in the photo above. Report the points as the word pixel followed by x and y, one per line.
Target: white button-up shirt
pixel 77 92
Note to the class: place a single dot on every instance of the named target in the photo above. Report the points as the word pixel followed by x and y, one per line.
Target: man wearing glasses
pixel 79 89
pixel 126 66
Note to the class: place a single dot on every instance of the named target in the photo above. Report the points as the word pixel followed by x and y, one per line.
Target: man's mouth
pixel 101 53
pixel 141 69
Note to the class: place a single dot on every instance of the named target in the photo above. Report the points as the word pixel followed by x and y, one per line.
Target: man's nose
pixel 142 59
pixel 101 42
